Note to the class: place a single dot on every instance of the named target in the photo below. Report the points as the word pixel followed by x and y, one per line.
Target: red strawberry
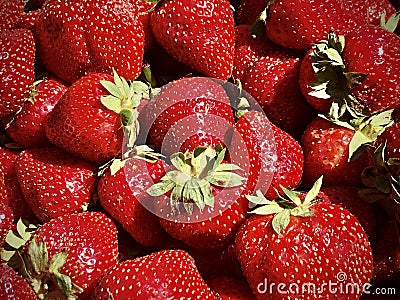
pixel 206 200
pixel 249 11
pixel 10 12
pixel 27 127
pixel 391 137
pixel 231 288
pixel 378 7
pixel 70 254
pixel 13 285
pixel 197 33
pixel 71 44
pixel 143 9
pixel 347 197
pixel 169 274
pixel 273 81
pixel 326 151
pixel 16 69
pixel 10 190
pixel 123 193
pixel 28 20
pixel 189 108
pixel 55 183
pixel 6 220
pixel 92 116
pixel 303 244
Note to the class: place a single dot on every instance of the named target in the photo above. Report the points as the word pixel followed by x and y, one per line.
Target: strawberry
pixel 190 108
pixel 6 220
pixel 143 9
pixel 71 45
pixel 231 288
pixel 28 20
pixel 90 119
pixel 300 243
pixel 347 197
pixel 122 194
pixel 208 47
pixel 249 11
pixel 168 274
pixel 354 71
pixel 206 203
pixel 55 183
pixel 13 285
pixel 10 190
pixel 10 12
pixel 16 69
pixel 391 138
pixel 67 255
pixel 27 126
pixel 326 149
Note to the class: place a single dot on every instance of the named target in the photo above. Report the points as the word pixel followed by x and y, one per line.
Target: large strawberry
pixel 198 33
pixel 16 69
pixel 27 126
pixel 71 44
pixel 303 243
pixel 168 274
pixel 54 182
pixel 122 193
pixel 190 108
pixel 298 24
pixel 67 255
pixel 92 116
pixel 14 286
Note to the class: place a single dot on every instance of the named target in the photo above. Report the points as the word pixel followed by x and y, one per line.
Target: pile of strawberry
pixel 191 149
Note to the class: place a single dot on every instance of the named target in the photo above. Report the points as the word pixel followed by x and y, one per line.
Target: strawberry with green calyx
pixel 92 117
pixel 67 255
pixel 122 193
pixel 291 240
pixel 14 286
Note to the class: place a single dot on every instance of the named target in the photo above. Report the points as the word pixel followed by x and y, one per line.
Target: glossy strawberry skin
pixel 70 44
pixel 176 26
pixel 82 125
pixel 13 285
pixel 309 250
pixel 6 220
pixel 10 13
pixel 123 193
pixel 55 183
pixel 27 127
pixel 230 288
pixel 373 51
pixel 168 274
pixel 17 69
pixel 326 152
pixel 391 137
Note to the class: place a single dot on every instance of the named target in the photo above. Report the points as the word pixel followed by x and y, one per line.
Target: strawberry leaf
pixel 111 103
pixel 281 221
pixel 268 209
pixel 313 192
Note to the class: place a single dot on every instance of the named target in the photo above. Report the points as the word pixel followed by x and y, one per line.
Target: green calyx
pixel 333 80
pixel 382 181
pixel 391 23
pixel 124 99
pixel 366 129
pixel 44 275
pixel 194 174
pixel 289 204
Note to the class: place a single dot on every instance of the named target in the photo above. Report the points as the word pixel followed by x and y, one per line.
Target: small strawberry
pixel 27 126
pixel 6 221
pixel 205 202
pixel 197 33
pixel 16 69
pixel 70 44
pixel 54 182
pixel 295 241
pixel 67 255
pixel 168 274
pixel 92 116
pixel 14 286
pixel 189 108
pixel 231 288
pixel 10 190
pixel 10 12
pixel 122 193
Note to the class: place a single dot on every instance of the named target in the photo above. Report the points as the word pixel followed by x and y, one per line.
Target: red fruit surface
pixel 27 127
pixel 82 125
pixel 168 274
pixel 197 33
pixel 54 182
pixel 231 288
pixel 16 69
pixel 6 220
pixel 309 250
pixel 10 12
pixel 391 137
pixel 13 285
